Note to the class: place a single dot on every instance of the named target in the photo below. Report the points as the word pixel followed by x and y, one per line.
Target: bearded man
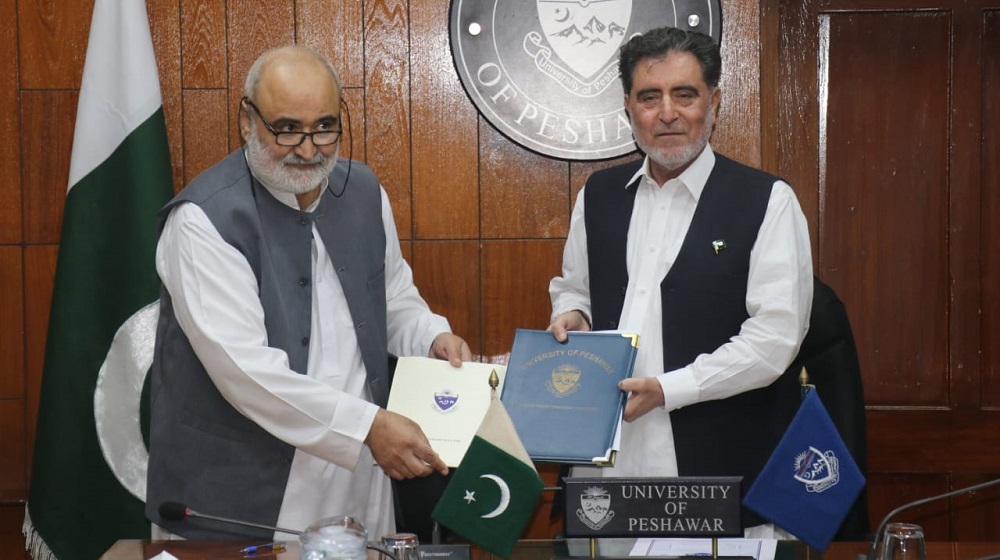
pixel 707 259
pixel 284 292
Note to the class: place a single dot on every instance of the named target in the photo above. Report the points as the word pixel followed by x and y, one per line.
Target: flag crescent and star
pixel 88 469
pixel 117 399
pixel 504 496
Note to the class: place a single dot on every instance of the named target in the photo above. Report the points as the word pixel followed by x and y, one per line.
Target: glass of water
pixel 335 538
pixel 903 541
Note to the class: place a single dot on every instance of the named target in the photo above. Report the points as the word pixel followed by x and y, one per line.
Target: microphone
pixel 176 511
pixel 920 502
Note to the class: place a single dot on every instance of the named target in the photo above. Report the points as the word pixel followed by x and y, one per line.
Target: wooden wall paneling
pixel 13 483
pixel 39 274
pixel 387 97
pixel 10 163
pixel 447 274
pixel 515 290
pixel 963 29
pixel 254 27
pixel 789 108
pixel 933 440
pixel 990 176
pixel 542 525
pixel 164 26
pixel 52 39
pixel 206 129
pixel 47 118
pixel 203 43
pixel 737 129
pixel 11 539
pixel 352 144
pixel 975 516
pixel 12 319
pixel 884 185
pixel 334 28
pixel 888 491
pixel 444 132
pixel 406 247
pixel 523 194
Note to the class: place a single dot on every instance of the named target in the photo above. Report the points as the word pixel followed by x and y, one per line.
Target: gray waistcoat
pixel 202 451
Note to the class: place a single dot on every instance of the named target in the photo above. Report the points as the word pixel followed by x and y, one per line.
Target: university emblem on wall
pixel 545 72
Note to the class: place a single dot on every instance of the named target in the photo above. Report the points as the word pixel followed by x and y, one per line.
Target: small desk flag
pixel 494 490
pixel 810 482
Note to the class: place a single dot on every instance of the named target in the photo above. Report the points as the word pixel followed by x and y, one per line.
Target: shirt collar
pixel 286 198
pixel 694 177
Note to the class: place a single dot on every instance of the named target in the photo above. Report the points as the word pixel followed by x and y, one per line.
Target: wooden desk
pixel 210 550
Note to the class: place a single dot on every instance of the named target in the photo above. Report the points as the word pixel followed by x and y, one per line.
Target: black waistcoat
pixel 704 305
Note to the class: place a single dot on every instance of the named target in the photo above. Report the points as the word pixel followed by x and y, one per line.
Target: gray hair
pixel 657 43
pixel 257 68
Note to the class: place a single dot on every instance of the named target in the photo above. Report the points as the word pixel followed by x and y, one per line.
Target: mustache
pixel 295 159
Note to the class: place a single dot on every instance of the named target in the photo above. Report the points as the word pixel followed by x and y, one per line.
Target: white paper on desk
pixel 422 389
pixel 163 556
pixel 761 549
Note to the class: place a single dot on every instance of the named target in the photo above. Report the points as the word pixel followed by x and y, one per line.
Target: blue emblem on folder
pixel 445 400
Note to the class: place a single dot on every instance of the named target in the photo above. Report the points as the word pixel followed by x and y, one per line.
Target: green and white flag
pixel 89 466
pixel 491 496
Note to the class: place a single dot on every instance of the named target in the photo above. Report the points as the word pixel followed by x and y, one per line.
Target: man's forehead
pixel 676 67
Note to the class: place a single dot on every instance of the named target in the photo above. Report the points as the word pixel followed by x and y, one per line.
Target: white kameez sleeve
pixel 779 301
pixel 215 299
pixel 571 291
pixel 411 324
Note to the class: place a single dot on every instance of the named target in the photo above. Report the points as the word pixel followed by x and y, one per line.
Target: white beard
pixel 674 161
pixel 275 172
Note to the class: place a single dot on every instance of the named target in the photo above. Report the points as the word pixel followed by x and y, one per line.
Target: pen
pixel 273 547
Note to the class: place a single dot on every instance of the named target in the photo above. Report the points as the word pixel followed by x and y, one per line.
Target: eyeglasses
pixel 292 138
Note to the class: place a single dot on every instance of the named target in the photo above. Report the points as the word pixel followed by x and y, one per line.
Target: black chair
pixel 830 357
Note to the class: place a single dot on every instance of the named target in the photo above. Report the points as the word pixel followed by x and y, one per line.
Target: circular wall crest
pixel 545 72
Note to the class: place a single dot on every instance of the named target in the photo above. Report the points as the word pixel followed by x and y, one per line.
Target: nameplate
pixel 444 552
pixel 652 507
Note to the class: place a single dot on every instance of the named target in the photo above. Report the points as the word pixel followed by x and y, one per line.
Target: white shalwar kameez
pixel 325 414
pixel 779 300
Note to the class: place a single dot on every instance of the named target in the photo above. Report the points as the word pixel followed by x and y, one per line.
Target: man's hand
pixel 569 321
pixel 646 394
pixel 401 448
pixel 447 346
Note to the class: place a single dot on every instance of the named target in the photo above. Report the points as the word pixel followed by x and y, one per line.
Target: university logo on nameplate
pixel 545 72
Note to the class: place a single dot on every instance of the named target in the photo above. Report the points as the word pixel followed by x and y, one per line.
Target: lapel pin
pixel 718 245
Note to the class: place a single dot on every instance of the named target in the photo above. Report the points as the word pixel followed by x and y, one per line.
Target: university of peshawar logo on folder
pixel 445 401
pixel 564 381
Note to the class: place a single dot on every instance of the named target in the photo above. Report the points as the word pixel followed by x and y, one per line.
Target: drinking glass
pixel 903 541
pixel 404 545
pixel 335 538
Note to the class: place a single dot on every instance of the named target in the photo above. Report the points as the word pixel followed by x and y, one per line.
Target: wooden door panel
pixel 991 209
pixel 886 115
pixel 883 190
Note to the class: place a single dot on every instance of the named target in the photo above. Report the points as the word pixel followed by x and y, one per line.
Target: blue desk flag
pixel 810 482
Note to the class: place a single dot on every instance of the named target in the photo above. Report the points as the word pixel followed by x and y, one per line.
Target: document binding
pixel 564 397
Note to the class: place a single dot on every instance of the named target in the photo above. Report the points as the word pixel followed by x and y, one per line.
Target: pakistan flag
pixel 495 489
pixel 89 464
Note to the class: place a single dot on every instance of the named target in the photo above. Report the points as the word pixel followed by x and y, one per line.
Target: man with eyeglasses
pixel 284 291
